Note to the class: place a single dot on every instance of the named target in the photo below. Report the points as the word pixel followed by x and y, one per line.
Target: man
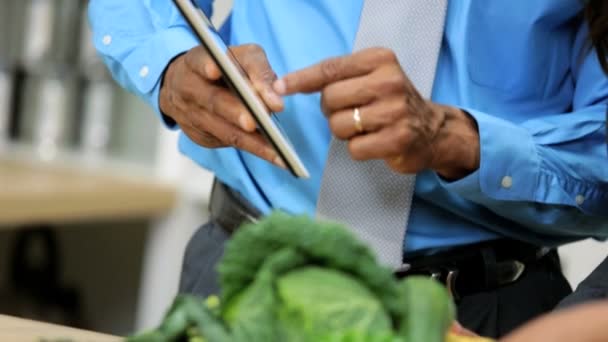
pixel 498 150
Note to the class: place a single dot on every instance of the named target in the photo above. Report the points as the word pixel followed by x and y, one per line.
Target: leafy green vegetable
pixel 431 310
pixel 325 244
pixel 188 317
pixel 312 308
pixel 294 279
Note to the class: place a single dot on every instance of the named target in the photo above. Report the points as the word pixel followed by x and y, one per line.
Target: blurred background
pixel 96 204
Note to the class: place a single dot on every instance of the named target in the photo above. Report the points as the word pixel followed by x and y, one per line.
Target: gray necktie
pixel 367 196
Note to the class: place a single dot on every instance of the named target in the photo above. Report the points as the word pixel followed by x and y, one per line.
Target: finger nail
pixel 276 100
pixel 211 71
pixel 280 87
pixel 246 122
pixel 279 162
pixel 208 69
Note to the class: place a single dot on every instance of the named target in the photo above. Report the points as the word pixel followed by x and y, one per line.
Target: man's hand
pixel 399 126
pixel 193 95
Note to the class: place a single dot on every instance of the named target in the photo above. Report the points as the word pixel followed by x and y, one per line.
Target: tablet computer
pixel 237 80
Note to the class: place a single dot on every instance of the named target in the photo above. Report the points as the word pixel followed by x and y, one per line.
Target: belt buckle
pixel 510 271
pixel 450 283
pixel 437 275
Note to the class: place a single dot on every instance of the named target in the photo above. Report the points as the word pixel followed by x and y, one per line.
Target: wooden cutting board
pixel 22 330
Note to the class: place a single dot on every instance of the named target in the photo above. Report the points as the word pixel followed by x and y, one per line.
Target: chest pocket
pixel 517 47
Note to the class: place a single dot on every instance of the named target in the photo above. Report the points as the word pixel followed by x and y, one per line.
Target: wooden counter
pixel 22 330
pixel 37 192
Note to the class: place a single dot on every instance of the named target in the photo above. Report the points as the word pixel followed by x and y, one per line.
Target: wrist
pixel 165 83
pixel 456 144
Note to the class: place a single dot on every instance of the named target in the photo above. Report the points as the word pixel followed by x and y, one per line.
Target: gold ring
pixel 357 119
pixel 397 160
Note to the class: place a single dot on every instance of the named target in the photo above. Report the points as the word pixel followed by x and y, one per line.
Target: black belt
pixel 477 268
pixel 229 209
pixel 465 270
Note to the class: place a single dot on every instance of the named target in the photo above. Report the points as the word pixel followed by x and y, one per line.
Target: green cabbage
pixel 294 279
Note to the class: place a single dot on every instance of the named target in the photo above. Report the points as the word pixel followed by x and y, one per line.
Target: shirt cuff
pixel 509 163
pixel 146 65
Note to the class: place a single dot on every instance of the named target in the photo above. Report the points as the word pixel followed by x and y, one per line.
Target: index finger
pixel 320 75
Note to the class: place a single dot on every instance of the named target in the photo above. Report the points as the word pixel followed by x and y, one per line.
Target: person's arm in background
pixel 151 51
pixel 586 323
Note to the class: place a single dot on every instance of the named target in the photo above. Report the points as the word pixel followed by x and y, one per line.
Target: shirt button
pixel 507 182
pixel 106 40
pixel 580 199
pixel 144 71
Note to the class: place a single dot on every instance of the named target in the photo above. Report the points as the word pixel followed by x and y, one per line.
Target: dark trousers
pixel 203 253
pixel 496 313
pixel 492 314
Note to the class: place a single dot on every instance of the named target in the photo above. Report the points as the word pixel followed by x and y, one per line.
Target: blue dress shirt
pixel 521 68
